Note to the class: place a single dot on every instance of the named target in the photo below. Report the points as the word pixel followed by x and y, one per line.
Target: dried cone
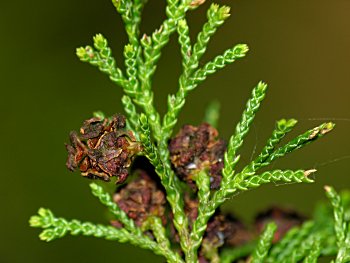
pixel 141 198
pixel 285 219
pixel 103 149
pixel 196 148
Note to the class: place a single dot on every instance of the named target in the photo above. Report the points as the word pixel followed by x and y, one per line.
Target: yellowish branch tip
pixel 327 188
pixel 196 3
pixel 327 128
pixel 308 172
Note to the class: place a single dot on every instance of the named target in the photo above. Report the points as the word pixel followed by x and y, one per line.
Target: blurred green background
pixel 300 48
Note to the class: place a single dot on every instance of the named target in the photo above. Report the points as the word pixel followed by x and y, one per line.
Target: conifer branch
pixel 155 225
pixel 264 244
pixel 189 165
pixel 58 227
pixel 282 244
pixel 130 54
pixel 282 128
pixel 169 181
pixel 216 17
pixel 242 128
pixel 341 227
pixel 133 116
pixel 305 248
pixel 219 62
pixel 104 61
pixel 314 253
pixel 176 102
pixel 203 183
pixel 152 47
pixel 301 141
pixel 292 245
pixel 226 192
pixel 276 176
pixel 130 12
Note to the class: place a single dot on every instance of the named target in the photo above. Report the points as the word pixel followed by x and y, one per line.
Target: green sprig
pixel 282 244
pixel 175 11
pixel 242 128
pixel 229 56
pixel 276 176
pixel 105 64
pixel 203 183
pixel 130 54
pixel 314 253
pixel 137 68
pixel 149 148
pixel 176 103
pixel 341 227
pixel 216 16
pixel 301 141
pixel 238 185
pixel 338 211
pixel 169 181
pixel 292 245
pixel 185 44
pixel 131 15
pixel 264 244
pixel 58 227
pixel 133 116
pixel 282 128
pixel 189 79
pixel 305 248
pixel 155 225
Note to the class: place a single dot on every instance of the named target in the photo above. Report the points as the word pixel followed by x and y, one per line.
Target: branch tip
pixel 327 128
pixel 308 172
pixel 327 188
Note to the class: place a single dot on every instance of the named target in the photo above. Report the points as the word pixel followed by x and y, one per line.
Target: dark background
pixel 300 48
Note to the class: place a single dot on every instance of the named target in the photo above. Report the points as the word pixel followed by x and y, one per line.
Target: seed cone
pixel 103 149
pixel 141 198
pixel 196 148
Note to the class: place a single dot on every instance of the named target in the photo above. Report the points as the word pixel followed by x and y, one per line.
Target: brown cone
pixel 197 148
pixel 103 149
pixel 141 198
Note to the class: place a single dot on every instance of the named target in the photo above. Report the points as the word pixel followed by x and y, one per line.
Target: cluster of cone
pixel 105 149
